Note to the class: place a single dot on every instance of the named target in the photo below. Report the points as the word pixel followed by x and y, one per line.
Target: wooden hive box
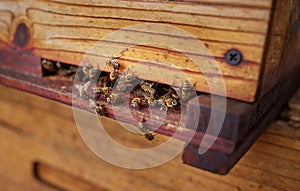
pixel 250 46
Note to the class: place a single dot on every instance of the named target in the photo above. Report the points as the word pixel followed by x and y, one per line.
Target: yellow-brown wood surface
pixel 38 137
pixel 67 30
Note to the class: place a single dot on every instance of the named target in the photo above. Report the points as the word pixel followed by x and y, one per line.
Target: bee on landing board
pixel 186 92
pixel 147 87
pixel 86 68
pixel 113 99
pixel 136 102
pixel 102 90
pixel 98 91
pixel 82 89
pixel 145 130
pixel 98 109
pixel 48 65
pixel 114 63
pixel 126 81
pixel 113 75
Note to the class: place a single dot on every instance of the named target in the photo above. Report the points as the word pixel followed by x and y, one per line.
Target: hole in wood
pixel 58 69
pixel 21 37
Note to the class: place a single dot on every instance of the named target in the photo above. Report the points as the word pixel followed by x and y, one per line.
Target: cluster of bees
pixel 144 94
pixel 50 67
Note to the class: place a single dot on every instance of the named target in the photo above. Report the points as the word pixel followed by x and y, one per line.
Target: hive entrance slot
pixel 58 69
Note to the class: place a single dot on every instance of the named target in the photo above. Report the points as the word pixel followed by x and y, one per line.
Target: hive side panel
pixel 59 31
pixel 285 18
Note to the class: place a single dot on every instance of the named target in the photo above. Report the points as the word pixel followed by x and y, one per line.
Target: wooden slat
pixel 202 8
pixel 40 16
pixel 247 3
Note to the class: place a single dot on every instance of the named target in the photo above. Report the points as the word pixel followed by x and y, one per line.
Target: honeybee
pixel 150 100
pixel 136 102
pixel 125 81
pixel 113 75
pixel 144 129
pixel 129 77
pixel 103 81
pixel 113 99
pixel 147 87
pixel 82 89
pixel 98 109
pixel 86 68
pixel 186 91
pixel 171 103
pixel 114 63
pixel 102 90
pixel 93 72
pixel 49 65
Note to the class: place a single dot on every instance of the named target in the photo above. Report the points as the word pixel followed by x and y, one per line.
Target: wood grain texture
pixel 48 135
pixel 61 90
pixel 281 44
pixel 60 32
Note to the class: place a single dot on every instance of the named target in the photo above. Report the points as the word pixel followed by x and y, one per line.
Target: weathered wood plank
pixel 214 7
pixel 247 3
pixel 59 32
pixel 62 180
pixel 282 46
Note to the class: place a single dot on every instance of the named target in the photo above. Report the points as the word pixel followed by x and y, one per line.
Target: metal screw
pixel 233 57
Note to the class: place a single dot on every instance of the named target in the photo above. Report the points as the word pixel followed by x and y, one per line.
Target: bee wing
pixel 78 87
pixel 86 85
pixel 92 103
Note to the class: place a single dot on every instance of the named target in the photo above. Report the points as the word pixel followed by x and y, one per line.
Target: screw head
pixel 233 57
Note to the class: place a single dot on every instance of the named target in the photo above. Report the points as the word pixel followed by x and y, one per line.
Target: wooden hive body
pixel 67 30
pixel 264 32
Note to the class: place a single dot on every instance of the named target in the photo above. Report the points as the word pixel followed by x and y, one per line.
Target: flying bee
pixel 102 90
pixel 113 75
pixel 146 132
pixel 114 63
pixel 113 99
pixel 147 87
pixel 136 102
pixel 82 89
pixel 98 109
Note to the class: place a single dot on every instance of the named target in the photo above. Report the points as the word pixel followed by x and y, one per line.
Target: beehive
pixel 242 45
